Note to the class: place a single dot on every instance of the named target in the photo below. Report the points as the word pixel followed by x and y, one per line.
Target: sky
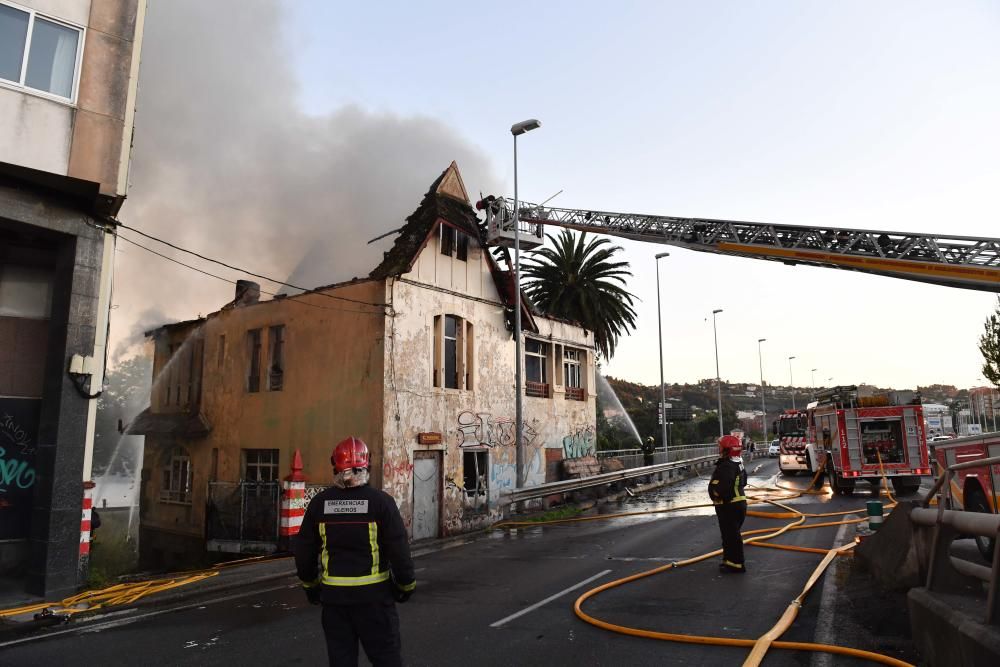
pixel 855 114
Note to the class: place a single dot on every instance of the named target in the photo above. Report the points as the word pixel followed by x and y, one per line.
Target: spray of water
pixel 613 409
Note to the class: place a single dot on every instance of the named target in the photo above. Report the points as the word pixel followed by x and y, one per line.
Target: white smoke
pixel 227 163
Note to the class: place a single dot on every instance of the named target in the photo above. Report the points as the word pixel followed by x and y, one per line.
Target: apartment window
pixel 37 52
pixel 474 473
pixel 260 465
pixel 453 352
pixel 536 355
pixel 276 358
pixel 177 478
pixel 253 360
pixel 573 373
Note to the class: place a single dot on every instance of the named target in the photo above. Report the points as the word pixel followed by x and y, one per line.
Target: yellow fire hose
pixel 758 537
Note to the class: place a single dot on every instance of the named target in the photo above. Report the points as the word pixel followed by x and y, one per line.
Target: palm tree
pixel 578 280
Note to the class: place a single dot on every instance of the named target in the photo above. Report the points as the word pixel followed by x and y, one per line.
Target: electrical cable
pixel 233 282
pixel 243 270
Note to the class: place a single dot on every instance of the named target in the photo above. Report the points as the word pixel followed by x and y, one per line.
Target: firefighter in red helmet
pixel 357 534
pixel 727 492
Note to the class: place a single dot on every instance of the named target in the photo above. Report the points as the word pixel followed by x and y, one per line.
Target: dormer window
pixel 454 243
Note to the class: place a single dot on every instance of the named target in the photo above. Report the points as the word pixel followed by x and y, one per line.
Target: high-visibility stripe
pixel 407 587
pixel 324 558
pixel 311 584
pixel 373 541
pixel 356 581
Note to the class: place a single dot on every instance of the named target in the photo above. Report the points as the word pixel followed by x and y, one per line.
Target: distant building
pixel 417 359
pixel 68 76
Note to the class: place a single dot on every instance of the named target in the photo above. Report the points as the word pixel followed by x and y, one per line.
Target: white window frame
pixel 542 356
pixel 177 488
pixel 573 366
pixel 20 85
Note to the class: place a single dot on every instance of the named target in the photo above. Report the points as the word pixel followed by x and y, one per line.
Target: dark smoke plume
pixel 226 162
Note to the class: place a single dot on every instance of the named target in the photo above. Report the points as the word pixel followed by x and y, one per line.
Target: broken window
pixel 253 361
pixel 573 359
pixel 452 352
pixel 259 465
pixel 276 358
pixel 475 473
pixel 536 355
pixel 177 478
pixel 454 243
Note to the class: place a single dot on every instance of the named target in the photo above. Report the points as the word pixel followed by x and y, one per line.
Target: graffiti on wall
pixel 483 430
pixel 579 442
pixel 18 433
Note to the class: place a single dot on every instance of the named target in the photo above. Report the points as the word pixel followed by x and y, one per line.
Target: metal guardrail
pixel 565 486
pixel 949 524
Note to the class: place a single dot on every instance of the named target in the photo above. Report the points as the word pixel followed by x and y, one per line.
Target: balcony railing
pixel 536 389
pixel 575 394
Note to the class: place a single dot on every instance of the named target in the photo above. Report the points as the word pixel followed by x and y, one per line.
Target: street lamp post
pixel 663 387
pixel 516 130
pixel 718 380
pixel 763 405
pixel 813 371
pixel 791 382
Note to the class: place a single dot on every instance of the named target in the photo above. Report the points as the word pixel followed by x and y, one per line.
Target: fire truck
pixel 973 489
pixel 862 436
pixel 794 451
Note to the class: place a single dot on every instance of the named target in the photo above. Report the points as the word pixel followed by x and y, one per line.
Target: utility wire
pixel 242 270
pixel 233 282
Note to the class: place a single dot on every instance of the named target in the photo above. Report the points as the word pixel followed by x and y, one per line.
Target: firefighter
pixel 727 492
pixel 358 535
pixel 648 447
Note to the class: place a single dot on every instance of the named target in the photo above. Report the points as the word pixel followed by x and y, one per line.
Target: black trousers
pixel 731 517
pixel 376 624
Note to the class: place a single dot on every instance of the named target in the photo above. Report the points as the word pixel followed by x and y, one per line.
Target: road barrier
pixel 944 571
pixel 566 486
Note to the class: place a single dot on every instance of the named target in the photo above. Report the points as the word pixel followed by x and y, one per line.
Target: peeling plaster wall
pixel 332 388
pixel 481 418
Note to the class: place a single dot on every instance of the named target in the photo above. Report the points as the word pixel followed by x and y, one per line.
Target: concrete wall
pixel 88 136
pixel 78 250
pixel 331 389
pixel 480 419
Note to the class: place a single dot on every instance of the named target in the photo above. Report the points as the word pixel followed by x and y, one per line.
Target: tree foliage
pixel 577 279
pixel 989 346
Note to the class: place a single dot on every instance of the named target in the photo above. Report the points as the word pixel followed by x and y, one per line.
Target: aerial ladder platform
pixel 966 262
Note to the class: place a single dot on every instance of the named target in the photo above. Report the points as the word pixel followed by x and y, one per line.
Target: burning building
pixel 417 359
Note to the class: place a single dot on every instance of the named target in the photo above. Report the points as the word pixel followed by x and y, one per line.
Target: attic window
pixel 454 243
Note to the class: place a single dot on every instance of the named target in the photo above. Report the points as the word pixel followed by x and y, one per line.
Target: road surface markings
pixel 826 631
pixel 528 610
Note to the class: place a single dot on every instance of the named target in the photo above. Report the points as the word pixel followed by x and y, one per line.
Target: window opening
pixel 535 357
pixel 573 373
pixel 38 53
pixel 177 478
pixel 462 251
pixel 451 326
pixel 447 240
pixel 260 465
pixel 276 375
pixel 475 474
pixel 253 367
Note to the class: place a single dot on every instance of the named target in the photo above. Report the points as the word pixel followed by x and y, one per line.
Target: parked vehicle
pixel 794 456
pixel 975 489
pixel 864 437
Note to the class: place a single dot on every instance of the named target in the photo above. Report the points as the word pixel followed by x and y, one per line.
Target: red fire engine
pixel 794 454
pixel 973 489
pixel 864 436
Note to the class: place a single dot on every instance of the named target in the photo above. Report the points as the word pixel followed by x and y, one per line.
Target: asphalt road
pixel 506 599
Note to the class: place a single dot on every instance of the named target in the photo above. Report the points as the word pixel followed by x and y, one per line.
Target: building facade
pixel 68 76
pixel 417 359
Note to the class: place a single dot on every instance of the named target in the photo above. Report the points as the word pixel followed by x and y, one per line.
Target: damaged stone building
pixel 417 359
pixel 68 78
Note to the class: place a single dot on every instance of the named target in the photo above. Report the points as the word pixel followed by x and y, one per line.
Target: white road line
pixel 97 626
pixel 826 630
pixel 547 600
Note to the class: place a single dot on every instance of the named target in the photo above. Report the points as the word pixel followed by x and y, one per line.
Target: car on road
pixel 773 450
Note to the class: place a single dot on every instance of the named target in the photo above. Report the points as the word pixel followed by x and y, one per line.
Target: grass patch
pixel 111 555
pixel 565 512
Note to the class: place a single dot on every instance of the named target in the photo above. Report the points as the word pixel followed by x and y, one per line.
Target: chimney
pixel 247 293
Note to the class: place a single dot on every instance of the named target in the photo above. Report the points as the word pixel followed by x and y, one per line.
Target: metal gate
pixel 242 517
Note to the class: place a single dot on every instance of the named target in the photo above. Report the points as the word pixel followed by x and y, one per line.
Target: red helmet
pixel 730 445
pixel 350 453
